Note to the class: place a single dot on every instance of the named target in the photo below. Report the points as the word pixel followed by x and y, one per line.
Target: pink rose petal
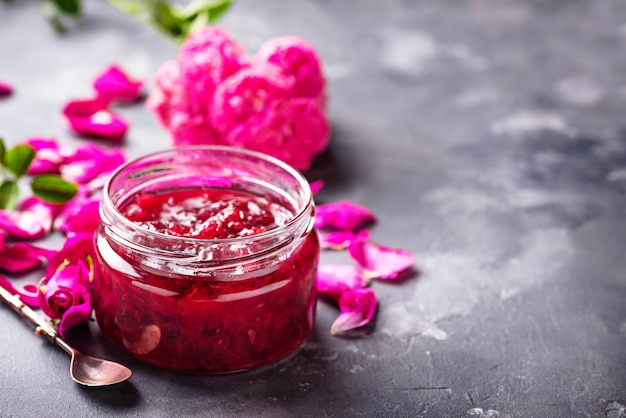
pixel 32 220
pixel 247 97
pixel 69 209
pixel 82 216
pixel 76 315
pixel 166 95
pixel 172 104
pixel 90 161
pixel 5 89
pixel 22 225
pixel 343 215
pixel 206 58
pixel 334 279
pixel 77 248
pixel 48 157
pixel 298 59
pixel 114 85
pixel 295 131
pixel 191 130
pixel 336 240
pixel 91 117
pixel 43 211
pixel 379 261
pixel 357 307
pixel 21 257
pixel 81 164
pixel 27 293
pixel 316 186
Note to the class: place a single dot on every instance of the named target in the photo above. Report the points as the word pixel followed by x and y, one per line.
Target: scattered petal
pixel 114 85
pixel 48 157
pixel 81 164
pixel 357 307
pixel 343 215
pixel 43 212
pixel 91 117
pixel 27 293
pixel 21 257
pixel 316 186
pixel 22 225
pixel 89 162
pixel 5 89
pixel 379 261
pixel 334 279
pixel 32 220
pixel 81 216
pixel 336 240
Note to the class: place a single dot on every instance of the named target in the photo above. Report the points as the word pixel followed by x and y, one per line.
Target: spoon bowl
pixel 90 371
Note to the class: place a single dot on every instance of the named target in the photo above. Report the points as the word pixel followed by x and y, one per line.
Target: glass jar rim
pixel 301 212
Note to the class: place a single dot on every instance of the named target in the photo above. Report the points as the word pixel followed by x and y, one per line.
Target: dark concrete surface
pixel 489 136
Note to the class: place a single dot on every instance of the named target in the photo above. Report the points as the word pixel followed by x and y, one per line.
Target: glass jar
pixel 201 305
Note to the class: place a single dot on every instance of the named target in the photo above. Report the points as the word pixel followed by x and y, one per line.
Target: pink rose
pixel 65 296
pixel 212 94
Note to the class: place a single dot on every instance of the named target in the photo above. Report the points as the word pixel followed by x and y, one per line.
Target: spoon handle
pixel 43 327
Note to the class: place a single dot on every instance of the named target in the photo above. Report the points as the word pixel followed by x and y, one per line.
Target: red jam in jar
pixel 206 259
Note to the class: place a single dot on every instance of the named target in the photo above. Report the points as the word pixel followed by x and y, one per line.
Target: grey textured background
pixel 489 136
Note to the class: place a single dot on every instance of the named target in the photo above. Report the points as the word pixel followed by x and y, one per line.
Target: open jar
pixel 206 259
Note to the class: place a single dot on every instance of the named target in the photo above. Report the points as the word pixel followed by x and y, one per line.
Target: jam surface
pixel 211 323
pixel 206 213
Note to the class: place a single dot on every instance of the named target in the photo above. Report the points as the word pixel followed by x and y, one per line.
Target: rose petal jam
pixel 205 279
pixel 206 213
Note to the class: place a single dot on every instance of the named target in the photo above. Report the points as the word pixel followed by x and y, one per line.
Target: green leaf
pixel 18 159
pixel 3 150
pixel 219 8
pixel 53 188
pixel 51 11
pixel 169 18
pixel 212 9
pixel 200 13
pixel 9 194
pixel 166 18
pixel 131 7
pixel 193 25
pixel 68 7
